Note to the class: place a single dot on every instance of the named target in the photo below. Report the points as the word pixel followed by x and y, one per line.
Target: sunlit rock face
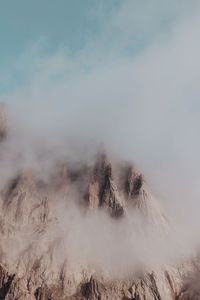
pixel 76 232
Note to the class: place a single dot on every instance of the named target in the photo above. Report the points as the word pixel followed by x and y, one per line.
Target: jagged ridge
pixel 27 211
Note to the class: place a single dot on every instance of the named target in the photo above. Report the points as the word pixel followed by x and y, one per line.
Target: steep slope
pixel 28 213
pixel 51 230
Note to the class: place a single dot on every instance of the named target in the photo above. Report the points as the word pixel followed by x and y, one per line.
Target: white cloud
pixel 144 107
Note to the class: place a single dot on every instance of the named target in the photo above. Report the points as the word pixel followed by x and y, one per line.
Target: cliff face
pixel 39 255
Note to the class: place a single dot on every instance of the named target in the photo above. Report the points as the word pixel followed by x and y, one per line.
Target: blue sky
pixel 73 25
pixel 122 72
pixel 61 22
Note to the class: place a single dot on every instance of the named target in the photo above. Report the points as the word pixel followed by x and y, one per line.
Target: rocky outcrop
pixel 37 263
pixel 191 285
pixel 12 287
pixel 139 196
pixel 102 190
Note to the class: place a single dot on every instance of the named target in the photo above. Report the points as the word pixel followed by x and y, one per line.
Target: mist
pixel 140 100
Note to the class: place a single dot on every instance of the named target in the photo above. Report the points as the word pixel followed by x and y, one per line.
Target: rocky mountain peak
pixel 34 257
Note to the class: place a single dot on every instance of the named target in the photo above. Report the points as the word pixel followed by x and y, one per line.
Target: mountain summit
pixel 68 233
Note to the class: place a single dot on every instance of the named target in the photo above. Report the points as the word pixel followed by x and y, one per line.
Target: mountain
pixel 61 235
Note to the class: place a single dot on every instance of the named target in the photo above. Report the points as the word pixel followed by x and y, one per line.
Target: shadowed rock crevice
pixel 6 281
pixel 40 264
pixel 133 182
pixel 102 190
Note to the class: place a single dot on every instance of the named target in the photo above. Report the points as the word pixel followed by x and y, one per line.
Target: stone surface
pixel 34 262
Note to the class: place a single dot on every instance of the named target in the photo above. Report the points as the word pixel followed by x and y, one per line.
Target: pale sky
pixel 73 25
pixel 125 73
